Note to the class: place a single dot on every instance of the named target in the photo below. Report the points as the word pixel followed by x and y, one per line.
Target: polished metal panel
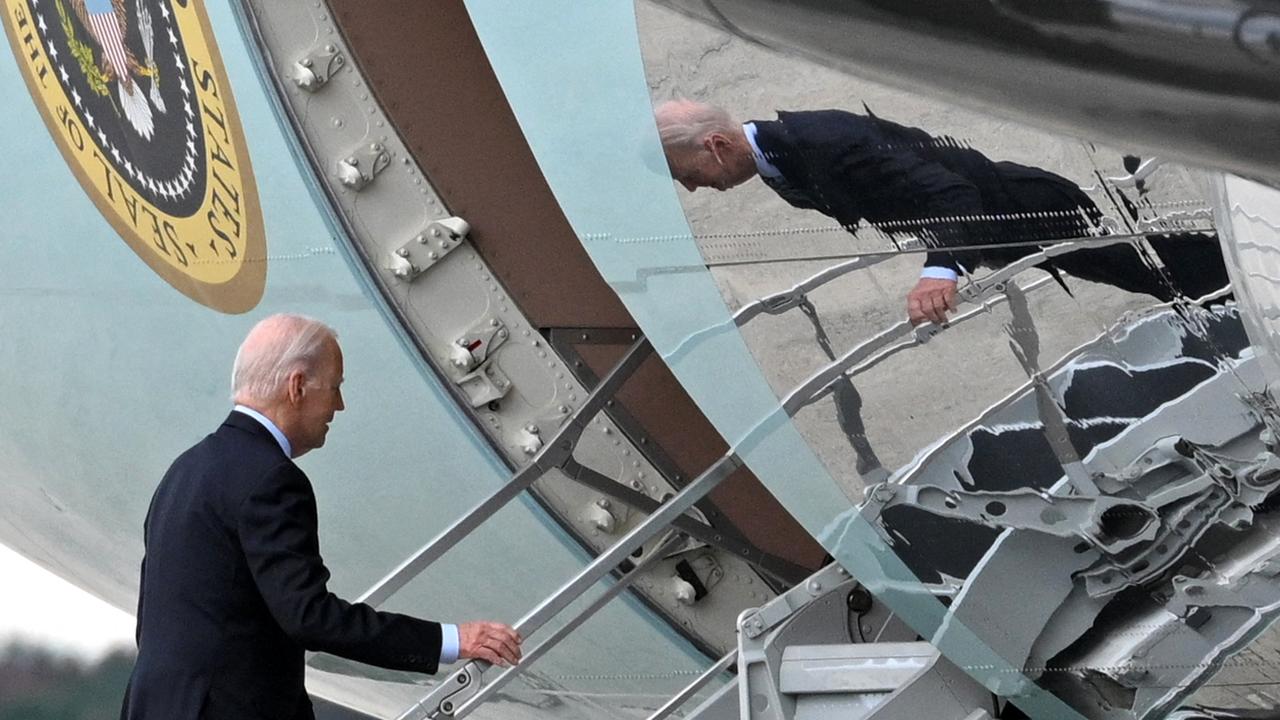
pixel 1197 80
pixel 1082 474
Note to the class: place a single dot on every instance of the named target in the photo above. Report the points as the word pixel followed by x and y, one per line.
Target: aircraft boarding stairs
pixel 790 667
pixel 822 649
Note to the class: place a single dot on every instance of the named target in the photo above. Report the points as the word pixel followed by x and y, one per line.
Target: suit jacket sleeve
pixel 277 527
pixel 898 190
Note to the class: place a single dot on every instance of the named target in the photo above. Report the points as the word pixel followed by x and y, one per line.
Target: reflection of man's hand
pixel 930 300
pixel 495 643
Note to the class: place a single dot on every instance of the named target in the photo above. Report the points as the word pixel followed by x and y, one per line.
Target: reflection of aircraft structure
pixel 517 315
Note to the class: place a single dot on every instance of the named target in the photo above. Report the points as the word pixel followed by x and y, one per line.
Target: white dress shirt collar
pixel 270 426
pixel 765 167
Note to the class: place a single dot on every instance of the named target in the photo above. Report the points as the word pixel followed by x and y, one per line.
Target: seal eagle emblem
pixel 106 21
pixel 135 95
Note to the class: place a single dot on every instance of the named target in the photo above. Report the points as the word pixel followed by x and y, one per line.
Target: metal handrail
pixel 552 455
pixel 465 684
pixel 671 542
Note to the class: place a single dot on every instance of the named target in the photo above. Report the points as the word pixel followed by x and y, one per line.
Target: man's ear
pixel 295 384
pixel 716 143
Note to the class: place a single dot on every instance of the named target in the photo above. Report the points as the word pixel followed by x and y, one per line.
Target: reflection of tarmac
pixel 918 396
pixel 1106 389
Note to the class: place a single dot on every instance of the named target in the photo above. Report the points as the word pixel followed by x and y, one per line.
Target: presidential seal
pixel 136 98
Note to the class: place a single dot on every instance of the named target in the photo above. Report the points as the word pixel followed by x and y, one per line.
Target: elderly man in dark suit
pixel 233 586
pixel 904 181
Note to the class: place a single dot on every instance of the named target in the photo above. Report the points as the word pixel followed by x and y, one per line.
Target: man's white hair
pixel 682 124
pixel 276 347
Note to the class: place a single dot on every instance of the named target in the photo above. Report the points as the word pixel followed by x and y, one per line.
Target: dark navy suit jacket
pixel 234 591
pixel 903 180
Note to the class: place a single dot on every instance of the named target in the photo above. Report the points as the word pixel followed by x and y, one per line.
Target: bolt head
pixel 306 62
pixel 403 252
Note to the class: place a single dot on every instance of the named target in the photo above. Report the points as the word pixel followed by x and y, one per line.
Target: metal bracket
pixel 359 168
pixel 695 577
pixel 1110 523
pixel 529 439
pixel 311 71
pixel 754 623
pixel 468 681
pixel 428 248
pixel 1255 590
pixel 477 344
pixel 601 515
pixel 484 385
pixel 531 436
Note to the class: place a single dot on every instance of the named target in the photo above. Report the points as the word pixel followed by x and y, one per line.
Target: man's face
pixel 321 400
pixel 709 165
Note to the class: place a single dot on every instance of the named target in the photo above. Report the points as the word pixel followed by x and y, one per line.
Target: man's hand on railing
pixel 931 299
pixel 495 643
